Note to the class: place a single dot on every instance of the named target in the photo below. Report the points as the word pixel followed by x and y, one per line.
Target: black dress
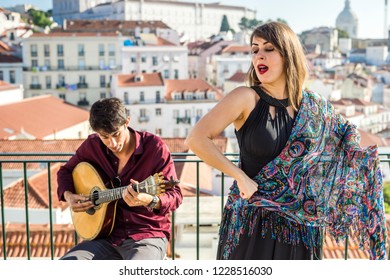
pixel 261 139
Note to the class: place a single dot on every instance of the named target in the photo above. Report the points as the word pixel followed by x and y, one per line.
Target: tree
pixel 40 18
pixel 225 27
pixel 342 33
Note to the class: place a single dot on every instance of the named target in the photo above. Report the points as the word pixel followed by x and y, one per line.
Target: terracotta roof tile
pixel 189 85
pixel 145 79
pixel 8 58
pixel 39 117
pixel 40 246
pixel 238 77
pixel 124 26
pixel 6 86
pixel 237 49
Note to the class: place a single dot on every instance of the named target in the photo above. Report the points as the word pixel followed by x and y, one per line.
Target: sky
pixel 301 15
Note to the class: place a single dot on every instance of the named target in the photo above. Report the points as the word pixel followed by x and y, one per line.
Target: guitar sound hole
pixel 95 197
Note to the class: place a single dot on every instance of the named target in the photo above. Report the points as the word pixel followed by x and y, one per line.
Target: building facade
pixel 192 20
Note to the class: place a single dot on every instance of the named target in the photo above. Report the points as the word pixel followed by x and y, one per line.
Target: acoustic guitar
pixel 98 221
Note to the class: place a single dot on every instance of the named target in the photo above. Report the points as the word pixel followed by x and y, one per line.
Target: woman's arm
pixel 233 108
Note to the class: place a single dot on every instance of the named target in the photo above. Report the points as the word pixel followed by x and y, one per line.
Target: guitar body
pixel 90 226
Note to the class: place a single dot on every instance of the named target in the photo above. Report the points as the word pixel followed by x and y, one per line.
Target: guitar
pixel 98 221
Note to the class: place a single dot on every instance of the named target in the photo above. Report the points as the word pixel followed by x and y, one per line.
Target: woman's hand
pixel 247 187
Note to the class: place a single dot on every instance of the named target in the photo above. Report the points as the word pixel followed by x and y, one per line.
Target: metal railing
pixel 51 158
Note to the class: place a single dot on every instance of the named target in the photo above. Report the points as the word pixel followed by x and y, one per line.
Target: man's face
pixel 116 140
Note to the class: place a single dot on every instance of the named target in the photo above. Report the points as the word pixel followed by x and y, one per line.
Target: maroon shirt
pixel 151 155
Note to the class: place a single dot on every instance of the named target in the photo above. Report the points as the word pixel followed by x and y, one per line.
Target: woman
pixel 288 184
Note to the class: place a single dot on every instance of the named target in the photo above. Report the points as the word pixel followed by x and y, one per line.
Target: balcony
pixel 83 102
pixel 195 223
pixel 184 120
pixel 142 119
pixel 35 86
pixel 82 85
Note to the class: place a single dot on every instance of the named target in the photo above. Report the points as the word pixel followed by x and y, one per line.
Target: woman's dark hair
pixel 107 115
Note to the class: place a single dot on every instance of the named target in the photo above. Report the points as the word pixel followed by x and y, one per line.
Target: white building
pixel 192 20
pixel 11 69
pixel 76 67
pixel 8 20
pixel 150 54
pixel 376 55
pixel 168 108
pixel 233 59
pixel 10 93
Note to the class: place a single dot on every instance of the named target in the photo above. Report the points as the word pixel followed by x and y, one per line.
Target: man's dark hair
pixel 107 115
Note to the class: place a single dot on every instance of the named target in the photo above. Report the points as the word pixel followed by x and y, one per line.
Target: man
pixel 119 153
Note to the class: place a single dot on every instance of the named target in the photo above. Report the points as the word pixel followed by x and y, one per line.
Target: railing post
pixel 26 210
pixel 2 213
pixel 50 211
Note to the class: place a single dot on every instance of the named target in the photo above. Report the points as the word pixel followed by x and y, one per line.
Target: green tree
pixel 342 33
pixel 225 27
pixel 40 18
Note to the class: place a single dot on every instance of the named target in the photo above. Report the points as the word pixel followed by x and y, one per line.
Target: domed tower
pixel 347 20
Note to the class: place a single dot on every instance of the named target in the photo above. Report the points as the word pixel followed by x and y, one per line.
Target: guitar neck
pixel 147 186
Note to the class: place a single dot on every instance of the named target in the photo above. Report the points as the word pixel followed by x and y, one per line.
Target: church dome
pixel 347 20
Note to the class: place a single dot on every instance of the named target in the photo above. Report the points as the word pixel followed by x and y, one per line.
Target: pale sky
pixel 300 14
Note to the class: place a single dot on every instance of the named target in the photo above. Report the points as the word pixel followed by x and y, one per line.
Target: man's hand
pixel 76 202
pixel 133 198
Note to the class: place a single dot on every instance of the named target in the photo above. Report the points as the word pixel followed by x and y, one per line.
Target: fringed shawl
pixel 322 179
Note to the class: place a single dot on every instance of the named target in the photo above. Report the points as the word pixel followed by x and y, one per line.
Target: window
pixel 46 50
pixel 81 49
pixel 102 95
pixel 61 81
pixel 12 77
pixel 1 76
pixel 176 74
pixel 34 50
pixel 158 111
pixel 47 64
pixel 133 59
pixel 60 50
pixel 101 63
pixel 102 81
pixel 158 97
pixel 34 80
pixel 48 82
pixel 101 49
pixel 166 74
pixel 111 49
pixel 34 63
pixel 126 98
pixel 81 64
pixel 142 112
pixel 62 96
pixel 142 96
pixel 82 79
pixel 154 60
pixel 61 64
pixel 143 59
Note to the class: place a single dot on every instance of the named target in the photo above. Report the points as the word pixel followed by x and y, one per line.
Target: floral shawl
pixel 322 179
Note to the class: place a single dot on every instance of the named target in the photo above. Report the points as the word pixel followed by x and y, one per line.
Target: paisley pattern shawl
pixel 322 179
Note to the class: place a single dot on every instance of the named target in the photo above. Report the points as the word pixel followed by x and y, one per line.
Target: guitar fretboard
pixel 146 186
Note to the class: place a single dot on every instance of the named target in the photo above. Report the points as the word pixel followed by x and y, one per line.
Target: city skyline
pixel 300 15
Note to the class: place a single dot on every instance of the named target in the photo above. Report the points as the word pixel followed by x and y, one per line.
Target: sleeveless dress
pixel 261 139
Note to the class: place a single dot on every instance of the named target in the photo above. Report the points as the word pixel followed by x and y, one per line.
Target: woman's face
pixel 268 63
